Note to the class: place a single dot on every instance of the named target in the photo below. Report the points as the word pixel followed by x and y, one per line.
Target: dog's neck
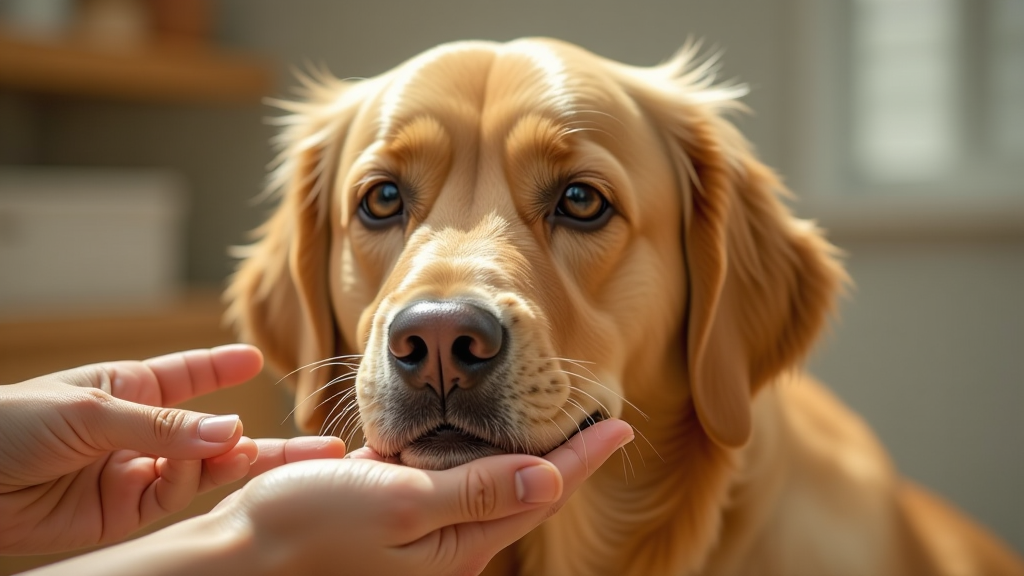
pixel 664 512
pixel 656 513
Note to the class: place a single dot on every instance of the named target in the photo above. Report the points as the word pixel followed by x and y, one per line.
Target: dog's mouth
pixel 447 446
pixel 589 421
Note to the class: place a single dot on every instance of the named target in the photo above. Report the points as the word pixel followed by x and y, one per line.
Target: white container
pixel 76 237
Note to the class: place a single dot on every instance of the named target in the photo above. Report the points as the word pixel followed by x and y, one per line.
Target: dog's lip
pixel 448 433
pixel 590 420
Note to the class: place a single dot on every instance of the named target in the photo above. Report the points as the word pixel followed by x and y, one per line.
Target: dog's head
pixel 520 238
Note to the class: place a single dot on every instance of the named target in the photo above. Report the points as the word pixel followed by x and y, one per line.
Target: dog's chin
pixel 444 448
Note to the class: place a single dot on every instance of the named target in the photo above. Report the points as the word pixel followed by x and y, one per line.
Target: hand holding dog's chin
pixel 362 515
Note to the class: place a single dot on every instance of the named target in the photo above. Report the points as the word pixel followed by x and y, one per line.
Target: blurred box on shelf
pixel 78 238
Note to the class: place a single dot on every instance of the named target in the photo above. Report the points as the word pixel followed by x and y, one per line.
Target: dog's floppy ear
pixel 278 297
pixel 760 281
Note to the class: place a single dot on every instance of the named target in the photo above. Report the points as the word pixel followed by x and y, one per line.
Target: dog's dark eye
pixel 582 203
pixel 382 203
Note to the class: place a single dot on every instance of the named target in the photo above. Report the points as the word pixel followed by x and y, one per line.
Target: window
pixel 914 97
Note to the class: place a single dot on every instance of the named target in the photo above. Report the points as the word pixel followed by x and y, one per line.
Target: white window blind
pixel 904 97
pixel 936 94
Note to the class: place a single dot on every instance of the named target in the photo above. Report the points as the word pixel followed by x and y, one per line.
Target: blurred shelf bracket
pixel 153 73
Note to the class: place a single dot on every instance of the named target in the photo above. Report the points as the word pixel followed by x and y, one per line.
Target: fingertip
pixel 313 447
pixel 224 469
pixel 230 466
pixel 619 430
pixel 238 349
pixel 588 450
pixel 365 453
pixel 274 452
pixel 246 447
pixel 249 448
pixel 236 363
pixel 538 484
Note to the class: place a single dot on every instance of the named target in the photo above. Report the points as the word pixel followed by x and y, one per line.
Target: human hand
pixel 91 454
pixel 363 516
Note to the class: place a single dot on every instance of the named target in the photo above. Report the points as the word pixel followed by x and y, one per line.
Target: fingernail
pixel 218 428
pixel 537 484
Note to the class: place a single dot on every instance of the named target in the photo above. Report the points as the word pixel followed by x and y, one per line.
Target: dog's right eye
pixel 381 205
pixel 582 207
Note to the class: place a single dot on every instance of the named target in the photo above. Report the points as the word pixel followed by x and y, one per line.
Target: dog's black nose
pixel 444 344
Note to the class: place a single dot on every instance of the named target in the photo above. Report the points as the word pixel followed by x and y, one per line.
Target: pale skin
pixel 89 455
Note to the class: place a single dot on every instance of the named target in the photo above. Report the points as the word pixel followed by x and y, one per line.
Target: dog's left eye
pixel 582 203
pixel 381 204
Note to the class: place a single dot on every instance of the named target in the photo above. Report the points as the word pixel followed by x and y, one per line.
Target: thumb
pixel 492 488
pixel 114 424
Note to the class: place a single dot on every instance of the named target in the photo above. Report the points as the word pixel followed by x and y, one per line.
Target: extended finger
pixel 171 379
pixel 106 423
pixel 185 375
pixel 229 467
pixel 274 452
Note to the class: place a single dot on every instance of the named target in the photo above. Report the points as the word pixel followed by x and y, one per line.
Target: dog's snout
pixel 444 344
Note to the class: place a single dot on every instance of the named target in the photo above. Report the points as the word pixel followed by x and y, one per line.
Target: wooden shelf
pixel 152 73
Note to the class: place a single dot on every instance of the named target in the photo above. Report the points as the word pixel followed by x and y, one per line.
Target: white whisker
pixel 642 435
pixel 641 454
pixel 571 447
pixel 301 368
pixel 331 420
pixel 343 393
pixel 607 412
pixel 353 417
pixel 585 461
pixel 334 381
pixel 630 460
pixel 352 404
pixel 597 383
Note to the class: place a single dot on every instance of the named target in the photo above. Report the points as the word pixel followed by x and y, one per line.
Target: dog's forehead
pixel 487 87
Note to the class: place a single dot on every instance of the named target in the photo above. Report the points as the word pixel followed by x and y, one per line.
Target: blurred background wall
pixel 931 338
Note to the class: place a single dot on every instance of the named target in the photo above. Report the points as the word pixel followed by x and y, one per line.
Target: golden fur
pixel 693 305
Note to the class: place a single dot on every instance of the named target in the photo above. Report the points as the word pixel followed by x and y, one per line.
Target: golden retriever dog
pixel 491 246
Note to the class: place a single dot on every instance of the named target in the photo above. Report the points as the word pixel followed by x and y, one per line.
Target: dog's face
pixel 489 230
pixel 509 236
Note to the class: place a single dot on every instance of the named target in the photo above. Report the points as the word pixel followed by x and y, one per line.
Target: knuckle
pixel 400 513
pixel 91 401
pixel 403 514
pixel 479 495
pixel 168 423
pixel 398 506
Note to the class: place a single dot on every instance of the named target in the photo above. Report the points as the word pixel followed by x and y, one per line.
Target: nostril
pixel 467 350
pixel 413 352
